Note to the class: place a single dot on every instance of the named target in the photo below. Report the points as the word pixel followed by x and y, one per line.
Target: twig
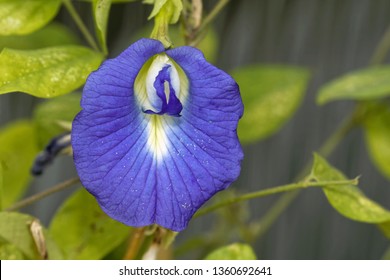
pixel 382 49
pixel 210 17
pixel 274 190
pixel 80 24
pixel 36 197
pixel 325 150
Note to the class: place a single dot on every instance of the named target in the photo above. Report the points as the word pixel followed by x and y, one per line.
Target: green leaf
pixel 83 230
pixel 15 230
pixel 1 185
pixel 101 10
pixel 385 228
pixel 271 94
pixel 17 152
pixel 113 1
pixel 46 72
pixel 23 17
pixel 51 35
pixel 348 200
pixel 51 114
pixel 377 137
pixel 366 84
pixel 10 252
pixel 235 251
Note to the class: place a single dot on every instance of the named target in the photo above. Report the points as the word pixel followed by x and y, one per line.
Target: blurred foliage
pixel 51 116
pixel 271 94
pixel 377 135
pixel 15 229
pixel 234 251
pixel 47 72
pixel 16 157
pixel 385 227
pixel 19 17
pixel 9 251
pixel 365 84
pixel 83 230
pixel 1 184
pixel 54 34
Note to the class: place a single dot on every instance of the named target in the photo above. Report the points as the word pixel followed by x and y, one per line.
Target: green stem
pixel 84 30
pixel 330 144
pixel 382 49
pixel 36 197
pixel 325 150
pixel 338 135
pixel 275 211
pixel 274 190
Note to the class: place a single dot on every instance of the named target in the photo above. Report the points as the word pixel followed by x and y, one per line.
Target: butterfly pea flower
pixel 156 136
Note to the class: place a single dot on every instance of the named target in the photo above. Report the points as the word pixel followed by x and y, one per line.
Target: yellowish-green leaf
pixel 83 230
pixel 17 152
pixel 51 114
pixel 113 1
pixel 46 72
pixel 366 84
pixel 22 17
pixel 385 228
pixel 53 34
pixel 235 251
pixel 271 94
pixel 101 10
pixel 348 200
pixel 15 228
pixel 10 252
pixel 1 185
pixel 377 136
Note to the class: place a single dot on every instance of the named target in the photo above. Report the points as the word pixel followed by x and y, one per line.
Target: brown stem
pixel 36 197
pixel 136 240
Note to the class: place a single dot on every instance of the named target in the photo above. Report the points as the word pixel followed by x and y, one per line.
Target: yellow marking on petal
pixel 157 138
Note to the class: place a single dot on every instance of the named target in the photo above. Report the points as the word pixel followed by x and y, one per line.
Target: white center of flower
pixel 160 80
pixel 157 65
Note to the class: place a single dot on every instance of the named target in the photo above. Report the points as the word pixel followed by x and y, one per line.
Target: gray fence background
pixel 330 37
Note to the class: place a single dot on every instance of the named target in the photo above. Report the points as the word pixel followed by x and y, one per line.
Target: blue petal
pixel 141 178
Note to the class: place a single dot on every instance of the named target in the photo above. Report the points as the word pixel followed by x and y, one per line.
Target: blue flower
pixel 156 137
